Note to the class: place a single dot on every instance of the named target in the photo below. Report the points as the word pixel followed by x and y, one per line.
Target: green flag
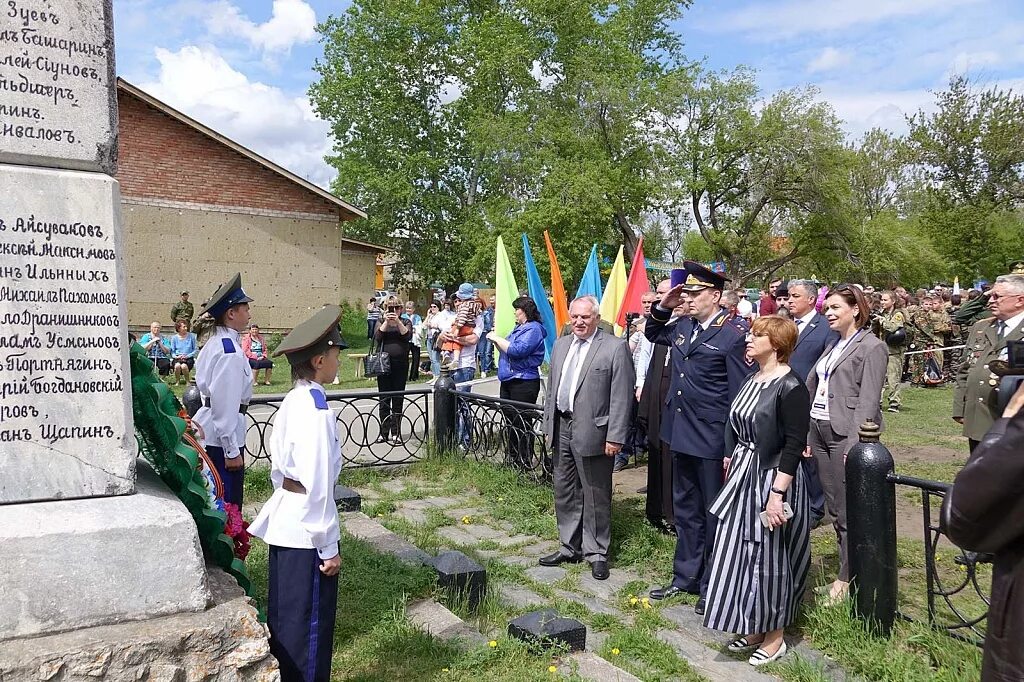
pixel 505 291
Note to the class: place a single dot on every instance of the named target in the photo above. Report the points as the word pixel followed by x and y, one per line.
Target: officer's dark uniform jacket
pixel 696 407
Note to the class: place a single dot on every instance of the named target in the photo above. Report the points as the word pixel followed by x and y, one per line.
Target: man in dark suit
pixel 586 420
pixel 815 336
pixel 708 365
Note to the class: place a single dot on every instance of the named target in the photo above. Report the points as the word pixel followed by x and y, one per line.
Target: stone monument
pixel 88 540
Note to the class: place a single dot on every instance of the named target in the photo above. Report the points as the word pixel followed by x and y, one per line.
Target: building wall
pixel 195 212
pixel 290 266
pixel 161 158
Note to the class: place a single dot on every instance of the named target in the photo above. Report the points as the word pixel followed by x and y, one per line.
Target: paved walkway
pixel 514 575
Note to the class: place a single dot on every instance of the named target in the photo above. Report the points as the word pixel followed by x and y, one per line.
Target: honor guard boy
pixel 708 365
pixel 224 380
pixel 300 521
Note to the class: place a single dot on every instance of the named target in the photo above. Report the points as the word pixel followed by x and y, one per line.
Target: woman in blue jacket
pixel 521 355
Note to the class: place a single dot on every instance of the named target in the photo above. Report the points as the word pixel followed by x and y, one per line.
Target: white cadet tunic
pixel 224 379
pixel 303 447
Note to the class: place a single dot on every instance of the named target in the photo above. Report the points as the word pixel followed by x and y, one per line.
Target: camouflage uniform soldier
pixel 890 326
pixel 931 325
pixel 183 310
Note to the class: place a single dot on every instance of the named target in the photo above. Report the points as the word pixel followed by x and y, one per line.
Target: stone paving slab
pixel 595 605
pixel 458 512
pixel 590 666
pixel 520 597
pixel 415 516
pixel 380 538
pixel 434 619
pixel 539 549
pixel 546 574
pixel 607 589
pixel 483 532
pixel 395 485
pixel 524 561
pixel 712 664
pixel 457 535
pixel 440 502
pixel 506 541
pixel 684 616
pixel 595 639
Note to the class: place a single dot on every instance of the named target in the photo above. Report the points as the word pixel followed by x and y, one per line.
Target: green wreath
pixel 159 430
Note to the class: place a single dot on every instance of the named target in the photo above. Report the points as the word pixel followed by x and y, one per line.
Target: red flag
pixel 636 286
pixel 559 303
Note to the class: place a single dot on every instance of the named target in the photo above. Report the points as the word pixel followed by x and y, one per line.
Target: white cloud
pixel 828 59
pixel 787 18
pixel 967 62
pixel 861 111
pixel 200 82
pixel 291 22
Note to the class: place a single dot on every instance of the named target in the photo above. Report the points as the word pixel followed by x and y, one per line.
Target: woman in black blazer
pixel 762 547
pixel 845 387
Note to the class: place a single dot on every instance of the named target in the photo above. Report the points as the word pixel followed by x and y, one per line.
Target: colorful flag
pixel 559 300
pixel 505 291
pixel 590 285
pixel 540 297
pixel 636 287
pixel 614 292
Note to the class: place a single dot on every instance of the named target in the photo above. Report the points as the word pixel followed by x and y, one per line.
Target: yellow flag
pixel 614 292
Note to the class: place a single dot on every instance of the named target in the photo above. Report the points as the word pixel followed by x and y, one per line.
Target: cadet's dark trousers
pixel 301 603
pixel 234 481
pixel 695 485
pixel 659 483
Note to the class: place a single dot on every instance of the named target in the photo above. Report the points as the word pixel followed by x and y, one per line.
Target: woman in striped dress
pixel 762 552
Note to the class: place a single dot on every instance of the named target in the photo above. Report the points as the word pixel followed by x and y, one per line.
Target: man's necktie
pixel 565 387
pixel 1001 330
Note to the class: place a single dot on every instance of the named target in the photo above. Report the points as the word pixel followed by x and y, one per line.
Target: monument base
pixel 70 564
pixel 224 642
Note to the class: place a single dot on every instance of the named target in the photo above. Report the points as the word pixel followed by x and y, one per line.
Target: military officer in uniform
pixel 224 380
pixel 183 310
pixel 974 401
pixel 708 366
pixel 890 326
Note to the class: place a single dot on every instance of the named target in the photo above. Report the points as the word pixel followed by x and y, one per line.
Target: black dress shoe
pixel 558 558
pixel 700 607
pixel 666 592
pixel 599 569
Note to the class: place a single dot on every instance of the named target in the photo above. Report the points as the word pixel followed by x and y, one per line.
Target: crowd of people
pixel 749 415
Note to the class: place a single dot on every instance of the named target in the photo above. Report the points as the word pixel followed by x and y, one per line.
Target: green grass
pixel 924 420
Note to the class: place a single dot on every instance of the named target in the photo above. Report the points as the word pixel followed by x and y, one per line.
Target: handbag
pixel 376 363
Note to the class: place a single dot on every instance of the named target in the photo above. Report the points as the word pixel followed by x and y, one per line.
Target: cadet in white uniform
pixel 224 380
pixel 300 520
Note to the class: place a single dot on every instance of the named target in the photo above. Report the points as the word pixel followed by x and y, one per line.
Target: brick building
pixel 198 207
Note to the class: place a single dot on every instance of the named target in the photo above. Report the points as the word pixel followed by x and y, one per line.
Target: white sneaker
pixel 483 375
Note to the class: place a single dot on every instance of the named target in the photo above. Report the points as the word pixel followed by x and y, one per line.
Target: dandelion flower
pixel 633 601
pixel 552 669
pixel 615 652
pixel 492 643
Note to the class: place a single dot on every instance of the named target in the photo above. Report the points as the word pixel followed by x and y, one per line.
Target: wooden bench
pixel 358 357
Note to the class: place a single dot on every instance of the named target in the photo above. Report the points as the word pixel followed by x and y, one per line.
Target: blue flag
pixel 540 297
pixel 590 285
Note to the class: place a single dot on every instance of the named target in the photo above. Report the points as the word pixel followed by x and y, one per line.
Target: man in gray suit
pixel 586 420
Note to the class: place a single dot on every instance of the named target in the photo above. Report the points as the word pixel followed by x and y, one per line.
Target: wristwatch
pixel 778 492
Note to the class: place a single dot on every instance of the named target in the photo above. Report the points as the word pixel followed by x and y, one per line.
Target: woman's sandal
pixel 742 643
pixel 762 657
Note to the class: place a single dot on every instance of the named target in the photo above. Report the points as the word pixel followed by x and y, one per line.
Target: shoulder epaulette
pixel 229 345
pixel 319 399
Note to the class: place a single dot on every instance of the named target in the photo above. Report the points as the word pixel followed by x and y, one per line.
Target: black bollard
pixel 191 398
pixel 871 530
pixel 445 411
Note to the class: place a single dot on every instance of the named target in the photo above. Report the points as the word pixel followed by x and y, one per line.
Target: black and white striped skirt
pixel 757 576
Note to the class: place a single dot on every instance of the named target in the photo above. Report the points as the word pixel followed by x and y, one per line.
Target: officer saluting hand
pixel 224 380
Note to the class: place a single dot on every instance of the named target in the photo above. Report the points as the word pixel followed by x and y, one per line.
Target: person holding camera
pixel 974 398
pixel 984 512
pixel 394 336
pixel 890 325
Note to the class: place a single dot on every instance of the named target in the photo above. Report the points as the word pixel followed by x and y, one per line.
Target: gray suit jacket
pixel 854 386
pixel 603 405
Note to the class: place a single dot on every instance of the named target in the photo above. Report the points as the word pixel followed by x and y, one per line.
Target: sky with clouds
pixel 243 67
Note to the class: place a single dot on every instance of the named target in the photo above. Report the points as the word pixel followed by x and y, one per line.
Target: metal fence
pixel 957 600
pixel 364 443
pixel 503 432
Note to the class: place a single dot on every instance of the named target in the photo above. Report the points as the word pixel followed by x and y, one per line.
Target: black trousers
pixel 696 483
pixel 301 606
pixel 414 366
pixel 390 407
pixel 659 482
pixel 519 425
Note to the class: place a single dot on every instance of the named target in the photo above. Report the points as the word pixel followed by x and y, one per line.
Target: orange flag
pixel 560 303
pixel 635 287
